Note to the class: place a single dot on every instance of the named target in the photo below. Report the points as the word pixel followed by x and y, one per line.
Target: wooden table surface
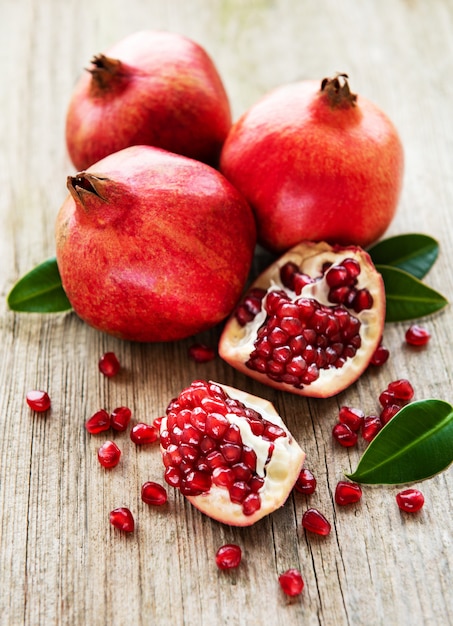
pixel 61 561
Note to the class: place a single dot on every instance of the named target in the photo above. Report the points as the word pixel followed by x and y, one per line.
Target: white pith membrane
pixel 238 342
pixel 280 472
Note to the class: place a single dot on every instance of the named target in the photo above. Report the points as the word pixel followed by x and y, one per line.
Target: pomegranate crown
pixel 338 92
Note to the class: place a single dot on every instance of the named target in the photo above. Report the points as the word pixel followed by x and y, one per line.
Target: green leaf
pixel 407 297
pixel 413 253
pixel 39 291
pixel 415 444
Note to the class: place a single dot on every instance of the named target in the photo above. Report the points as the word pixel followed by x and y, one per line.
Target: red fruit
pixel 200 353
pixel 129 250
pixel 122 519
pixel 417 335
pixel 228 452
pixel 371 426
pixel 315 522
pixel 151 88
pixel 344 435
pixel 109 364
pixel 291 582
pixel 410 500
pixel 109 454
pixel 120 418
pixel 317 164
pixel 142 434
pixel 315 343
pixel 38 400
pixel 347 493
pixel 401 389
pixel 352 417
pixel 153 493
pixel 228 556
pixel 99 422
pixel 306 482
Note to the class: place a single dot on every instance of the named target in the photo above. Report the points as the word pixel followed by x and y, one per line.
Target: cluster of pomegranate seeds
pixel 315 522
pixel 250 306
pixel 306 482
pixel 142 434
pixel 228 556
pixel 410 500
pixel 291 582
pixel 109 454
pixel 101 421
pixel 342 280
pixel 122 519
pixel 109 364
pixel 203 447
pixel 153 493
pixel 347 493
pixel 201 353
pixel 38 400
pixel 417 335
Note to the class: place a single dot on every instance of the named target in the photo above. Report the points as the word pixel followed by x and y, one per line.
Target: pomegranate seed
pixel 153 493
pixel 388 412
pixel 200 353
pixel 122 519
pixel 228 556
pixel 315 522
pixel 38 400
pixel 351 417
pixel 98 422
pixel 417 335
pixel 347 493
pixel 109 454
pixel 371 426
pixel 291 582
pixel 344 435
pixel 410 500
pixel 306 483
pixel 109 364
pixel 120 418
pixel 142 434
pixel 380 356
pixel 401 390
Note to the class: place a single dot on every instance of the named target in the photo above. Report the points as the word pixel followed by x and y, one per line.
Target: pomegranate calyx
pixel 106 73
pixel 83 183
pixel 338 92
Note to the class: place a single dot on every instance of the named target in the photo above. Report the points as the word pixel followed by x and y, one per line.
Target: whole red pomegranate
pixel 318 164
pixel 153 246
pixel 311 322
pixel 155 88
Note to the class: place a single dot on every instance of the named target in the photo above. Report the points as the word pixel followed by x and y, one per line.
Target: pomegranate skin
pixel 152 246
pixel 155 88
pixel 315 171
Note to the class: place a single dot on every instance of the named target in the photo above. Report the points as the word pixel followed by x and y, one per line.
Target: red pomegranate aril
pixel 291 582
pixel 388 412
pixel 315 522
pixel 120 418
pixel 228 556
pixel 38 400
pixel 380 356
pixel 410 500
pixel 172 476
pixel 371 426
pixel 223 476
pixel 200 353
pixel 195 483
pixel 239 491
pixel 122 519
pixel 109 454
pixel 337 276
pixel 109 364
pixel 344 435
pixel 153 493
pixel 347 493
pixel 306 483
pixel 157 422
pixel 352 417
pixel 417 335
pixel 251 504
pixel 386 398
pixel 99 422
pixel 401 389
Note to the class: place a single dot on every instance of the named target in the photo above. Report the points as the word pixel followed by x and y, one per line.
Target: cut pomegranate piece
pixel 228 452
pixel 228 556
pixel 306 482
pixel 291 582
pixel 153 493
pixel 142 434
pixel 417 335
pixel 200 353
pixel 122 519
pixel 38 400
pixel 315 522
pixel 120 418
pixel 109 454
pixel 109 364
pixel 99 422
pixel 318 339
pixel 410 500
pixel 347 493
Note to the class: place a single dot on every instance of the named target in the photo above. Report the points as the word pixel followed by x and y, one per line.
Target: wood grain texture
pixel 60 561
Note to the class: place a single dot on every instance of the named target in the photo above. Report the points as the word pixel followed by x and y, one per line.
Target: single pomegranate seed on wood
pixel 388 412
pixel 109 364
pixel 351 417
pixel 315 522
pixel 347 493
pixel 38 400
pixel 142 434
pixel 410 500
pixel 380 356
pixel 344 435
pixel 120 418
pixel 371 426
pixel 401 389
pixel 417 335
pixel 306 483
pixel 109 454
pixel 99 422
pixel 153 493
pixel 228 556
pixel 291 582
pixel 200 353
pixel 122 519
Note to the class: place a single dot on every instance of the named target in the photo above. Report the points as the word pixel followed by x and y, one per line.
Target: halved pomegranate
pixel 228 452
pixel 311 322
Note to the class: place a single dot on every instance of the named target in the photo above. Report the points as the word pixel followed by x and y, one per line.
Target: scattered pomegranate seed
pixel 401 389
pixel 371 426
pixel 122 519
pixel 351 417
pixel 380 356
pixel 388 412
pixel 347 493
pixel 228 556
pixel 200 353
pixel 315 522
pixel 142 434
pixel 120 418
pixel 157 422
pixel 109 454
pixel 98 422
pixel 109 364
pixel 417 335
pixel 38 400
pixel 153 493
pixel 306 483
pixel 344 435
pixel 291 582
pixel 410 500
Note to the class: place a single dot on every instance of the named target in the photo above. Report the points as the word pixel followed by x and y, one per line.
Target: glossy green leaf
pixel 415 444
pixel 407 297
pixel 39 291
pixel 413 253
